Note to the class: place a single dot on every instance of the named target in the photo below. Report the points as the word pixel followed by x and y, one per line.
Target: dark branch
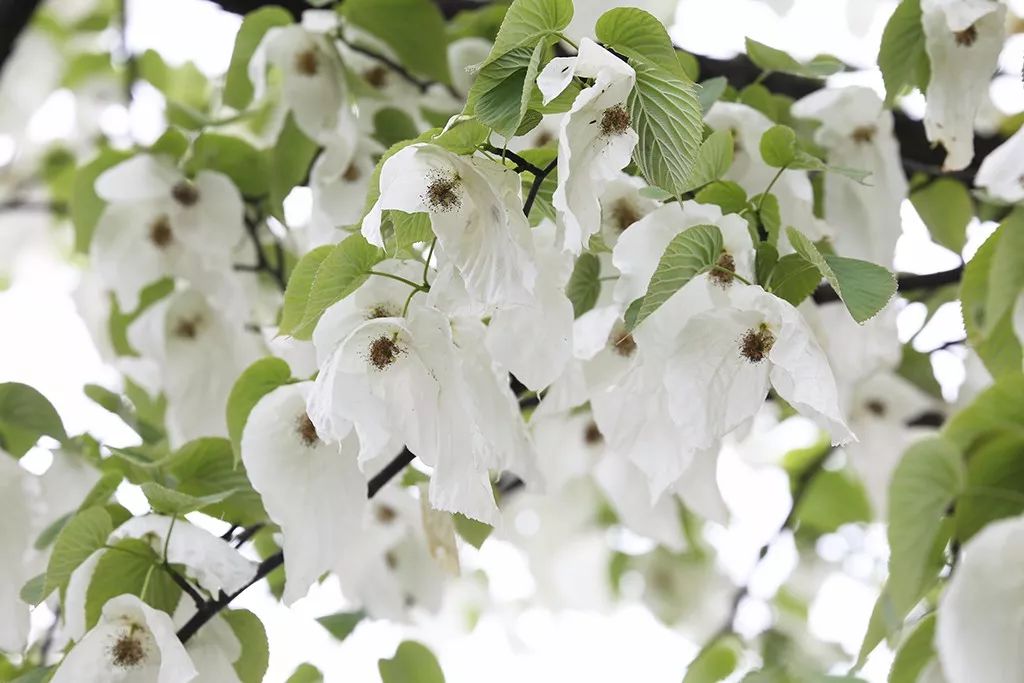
pixel 184 585
pixel 521 163
pixel 422 83
pixel 905 283
pixel 14 17
pixel 535 188
pixel 263 265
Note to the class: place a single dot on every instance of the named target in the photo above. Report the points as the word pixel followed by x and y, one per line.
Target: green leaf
pixel 916 367
pixel 690 253
pixel 765 259
pixel 1006 275
pixel 914 653
pixel 290 160
pixel 258 380
pixel 306 673
pixel 771 59
pixel 946 208
pixel 407 228
pixel 711 91
pixel 341 624
pixel 86 205
pixel 324 276
pixel 500 95
pixel 238 89
pixel 664 108
pixel 529 21
pixel 116 404
pixel 864 287
pixel 248 168
pixel 84 534
pixel 995 484
pixel 794 278
pixel 902 56
pixel 471 531
pixel 923 486
pixel 713 159
pixel 26 415
pixel 49 534
pixel 413 29
pixel 714 663
pixel 985 289
pixel 392 125
pixel 584 286
pixel 32 592
pixel 995 410
pixel 170 502
pixel 172 144
pixel 251 667
pixel 130 566
pixel 101 491
pixel 206 467
pixel 413 663
pixel 779 147
pixel 725 194
pixel 831 500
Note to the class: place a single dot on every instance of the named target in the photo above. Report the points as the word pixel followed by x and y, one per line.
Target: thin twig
pixel 535 188
pixel 262 264
pixel 190 591
pixel 422 83
pixel 246 534
pixel 521 163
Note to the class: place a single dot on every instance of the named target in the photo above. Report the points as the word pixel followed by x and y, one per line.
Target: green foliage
pixel 341 624
pixel 501 93
pixel 413 29
pixel 864 287
pixel 290 160
pixel 793 278
pixel 84 534
pixel 772 59
pixel 914 653
pixel 205 468
pixel 472 531
pixel 995 484
pixel 123 408
pixel 713 160
pixel 924 485
pixel 26 415
pixel 170 502
pixel 187 90
pixel 251 666
pixel 238 89
pixel 248 168
pixel 902 56
pixel 725 194
pixel 991 282
pixel 258 380
pixel 323 276
pixel 413 663
pixel 994 411
pixel 831 500
pixel 306 673
pixel 716 662
pixel 584 286
pixel 86 205
pixel 945 206
pixel 780 148
pixel 392 125
pixel 664 108
pixel 130 566
pixel 690 253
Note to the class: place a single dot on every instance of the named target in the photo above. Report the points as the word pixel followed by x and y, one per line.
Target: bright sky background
pixel 45 343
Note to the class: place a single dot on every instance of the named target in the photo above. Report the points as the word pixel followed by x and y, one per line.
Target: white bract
pixel 1002 171
pixel 858 133
pixel 16 537
pixel 595 141
pixel 165 225
pixel 133 643
pixel 313 490
pixel 476 211
pixel 726 360
pixel 981 614
pixel 312 77
pixel 963 39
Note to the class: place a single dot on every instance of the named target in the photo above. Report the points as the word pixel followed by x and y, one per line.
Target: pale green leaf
pixel 772 59
pixel 725 194
pixel 584 285
pixel 691 252
pixel 993 411
pixel 238 89
pixel 206 467
pixel 713 160
pixel 86 205
pixel 130 566
pixel 170 502
pixel 26 415
pixel 945 206
pixel 914 653
pixel 306 673
pixel 472 531
pixel 248 168
pixel 413 663
pixel 995 484
pixel 902 56
pixel 714 663
pixel 341 624
pixel 413 29
pixel 251 667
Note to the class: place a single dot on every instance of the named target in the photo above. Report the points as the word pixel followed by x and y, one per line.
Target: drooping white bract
pixel 476 210
pixel 314 490
pixel 621 206
pixel 595 142
pixel 1002 170
pixel 214 648
pixel 198 353
pixel 165 225
pixel 411 381
pixel 340 178
pixel 16 538
pixel 131 642
pixel 857 132
pixel 727 358
pixel 963 39
pixel 312 76
pixel 792 189
pixel 534 341
pixel 981 615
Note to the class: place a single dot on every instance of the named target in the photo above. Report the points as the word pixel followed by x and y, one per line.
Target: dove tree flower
pixel 1002 172
pixel 963 40
pixel 131 642
pixel 166 225
pixel 858 133
pixel 476 211
pixel 595 141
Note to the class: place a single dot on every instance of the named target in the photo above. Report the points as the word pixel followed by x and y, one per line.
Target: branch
pixel 209 609
pixel 422 83
pixel 905 283
pixel 21 204
pixel 262 264
pixel 521 163
pixel 184 585
pixel 537 182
